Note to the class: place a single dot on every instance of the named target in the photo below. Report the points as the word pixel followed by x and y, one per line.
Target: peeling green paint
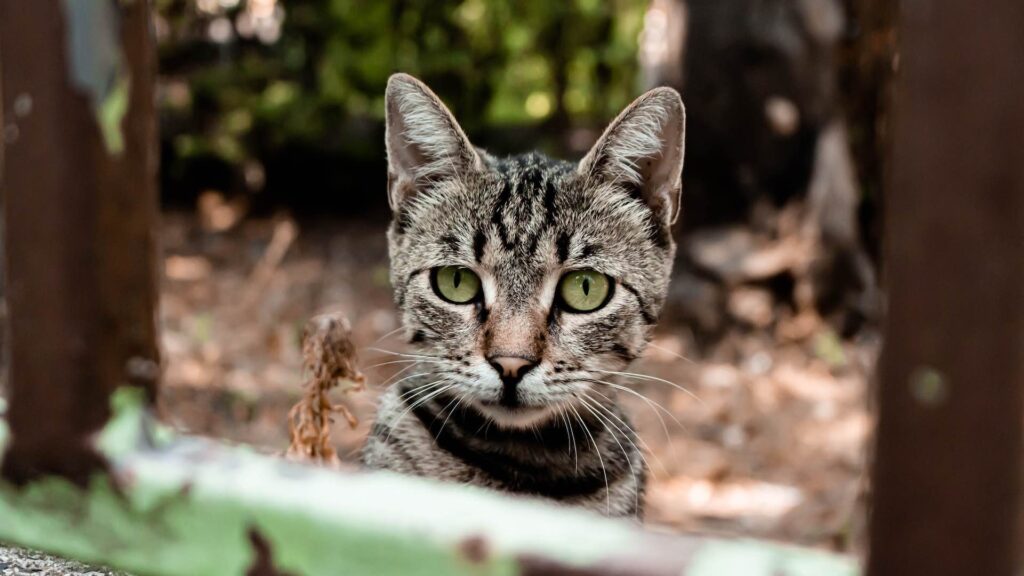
pixel 131 426
pixel 186 506
pixel 96 64
pixel 165 530
pixel 111 112
pixel 753 558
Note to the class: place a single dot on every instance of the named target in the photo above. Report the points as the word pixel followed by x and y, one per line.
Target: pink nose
pixel 511 368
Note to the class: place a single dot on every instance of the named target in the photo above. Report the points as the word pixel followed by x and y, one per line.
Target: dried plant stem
pixel 328 358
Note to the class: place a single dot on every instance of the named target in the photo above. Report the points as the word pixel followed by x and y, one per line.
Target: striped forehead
pixel 516 239
pixel 524 205
pixel 521 218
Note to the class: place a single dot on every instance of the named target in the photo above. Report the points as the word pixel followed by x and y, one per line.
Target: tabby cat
pixel 525 284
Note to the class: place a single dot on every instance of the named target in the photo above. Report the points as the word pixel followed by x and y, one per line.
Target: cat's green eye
pixel 584 290
pixel 456 284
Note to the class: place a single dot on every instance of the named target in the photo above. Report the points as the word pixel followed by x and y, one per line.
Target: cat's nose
pixel 511 368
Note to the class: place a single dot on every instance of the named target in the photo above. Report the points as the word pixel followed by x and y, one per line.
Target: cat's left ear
pixel 643 151
pixel 424 141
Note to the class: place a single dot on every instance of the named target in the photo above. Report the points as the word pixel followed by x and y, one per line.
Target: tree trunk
pixel 948 463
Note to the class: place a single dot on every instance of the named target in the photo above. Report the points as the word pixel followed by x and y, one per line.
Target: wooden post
pixel 948 470
pixel 79 180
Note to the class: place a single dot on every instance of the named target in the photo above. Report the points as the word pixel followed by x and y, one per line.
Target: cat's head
pixel 524 280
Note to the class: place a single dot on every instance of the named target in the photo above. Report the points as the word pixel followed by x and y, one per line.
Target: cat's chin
pixel 516 417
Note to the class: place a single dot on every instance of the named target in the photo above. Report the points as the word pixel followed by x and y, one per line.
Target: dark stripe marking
pixel 649 317
pixel 479 243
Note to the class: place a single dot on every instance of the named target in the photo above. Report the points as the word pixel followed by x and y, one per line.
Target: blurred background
pixel 273 189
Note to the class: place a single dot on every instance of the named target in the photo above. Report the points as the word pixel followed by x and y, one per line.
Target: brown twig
pixel 285 233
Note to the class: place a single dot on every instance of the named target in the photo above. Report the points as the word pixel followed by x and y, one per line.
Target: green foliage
pixel 245 79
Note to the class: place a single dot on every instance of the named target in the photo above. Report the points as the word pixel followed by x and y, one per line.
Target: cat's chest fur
pixel 570 459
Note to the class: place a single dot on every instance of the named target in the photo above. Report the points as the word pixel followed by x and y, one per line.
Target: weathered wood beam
pixel 79 182
pixel 948 467
pixel 191 507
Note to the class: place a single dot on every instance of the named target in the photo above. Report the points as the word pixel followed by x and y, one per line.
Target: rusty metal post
pixel 948 472
pixel 79 180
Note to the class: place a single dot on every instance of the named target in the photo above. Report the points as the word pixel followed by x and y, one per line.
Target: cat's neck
pixel 570 453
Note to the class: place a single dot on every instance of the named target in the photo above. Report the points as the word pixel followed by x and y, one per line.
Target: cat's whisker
pixel 378 365
pixel 654 405
pixel 458 402
pixel 486 427
pixel 625 427
pixel 611 430
pixel 649 378
pixel 573 449
pixel 410 377
pixel 417 390
pixel 405 354
pixel 415 393
pixel 441 411
pixel 407 368
pixel 671 353
pixel 608 414
pixel 389 334
pixel 600 459
pixel 420 400
pixel 437 392
pixel 561 417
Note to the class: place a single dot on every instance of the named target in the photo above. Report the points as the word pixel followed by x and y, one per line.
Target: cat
pixel 525 284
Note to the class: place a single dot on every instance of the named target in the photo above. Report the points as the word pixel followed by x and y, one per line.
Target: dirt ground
pixel 21 562
pixel 767 439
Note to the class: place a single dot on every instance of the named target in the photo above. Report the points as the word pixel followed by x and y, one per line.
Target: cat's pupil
pixel 586 286
pixel 457 279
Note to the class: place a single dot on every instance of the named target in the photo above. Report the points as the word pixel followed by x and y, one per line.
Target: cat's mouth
pixel 514 413
pixel 508 404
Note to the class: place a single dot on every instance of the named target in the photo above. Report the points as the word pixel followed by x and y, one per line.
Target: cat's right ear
pixel 642 149
pixel 424 142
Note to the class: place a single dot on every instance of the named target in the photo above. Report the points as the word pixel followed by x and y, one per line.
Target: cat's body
pixel 526 284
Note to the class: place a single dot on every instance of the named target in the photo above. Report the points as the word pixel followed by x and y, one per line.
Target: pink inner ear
pixel 424 141
pixel 643 148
